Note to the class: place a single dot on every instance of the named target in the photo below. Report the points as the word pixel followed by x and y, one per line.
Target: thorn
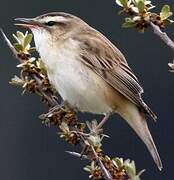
pixel 9 44
pixel 77 154
pixel 141 172
pixel 103 168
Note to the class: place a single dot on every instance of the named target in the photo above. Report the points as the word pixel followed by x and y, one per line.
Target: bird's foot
pixel 58 106
pixel 95 128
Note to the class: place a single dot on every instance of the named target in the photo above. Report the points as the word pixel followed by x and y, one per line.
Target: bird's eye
pixel 50 23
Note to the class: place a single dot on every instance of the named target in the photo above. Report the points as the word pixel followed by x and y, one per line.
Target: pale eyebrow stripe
pixel 57 14
pixel 55 18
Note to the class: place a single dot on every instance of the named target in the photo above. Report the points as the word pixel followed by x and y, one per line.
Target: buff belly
pixel 80 87
pixel 75 82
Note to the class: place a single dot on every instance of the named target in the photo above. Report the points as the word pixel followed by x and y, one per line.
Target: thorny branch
pixel 24 57
pixel 140 16
pixel 163 36
pixel 33 78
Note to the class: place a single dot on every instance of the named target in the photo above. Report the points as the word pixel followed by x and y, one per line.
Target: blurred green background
pixel 28 150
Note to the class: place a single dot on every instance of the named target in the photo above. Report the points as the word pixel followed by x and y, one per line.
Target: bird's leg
pixel 58 106
pixel 97 128
pixel 104 120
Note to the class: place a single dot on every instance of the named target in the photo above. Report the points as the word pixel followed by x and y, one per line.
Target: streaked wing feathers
pixel 117 77
pixel 98 53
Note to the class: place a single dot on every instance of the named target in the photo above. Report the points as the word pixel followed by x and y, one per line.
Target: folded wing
pixel 107 61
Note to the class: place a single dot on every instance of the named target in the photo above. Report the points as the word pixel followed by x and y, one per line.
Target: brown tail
pixel 137 121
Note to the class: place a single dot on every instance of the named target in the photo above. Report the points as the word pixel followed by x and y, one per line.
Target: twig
pixel 77 155
pixel 106 173
pixel 163 36
pixel 34 79
pixel 49 97
pixel 10 46
pixel 104 170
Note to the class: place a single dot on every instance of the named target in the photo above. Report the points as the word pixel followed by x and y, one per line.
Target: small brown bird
pixel 89 72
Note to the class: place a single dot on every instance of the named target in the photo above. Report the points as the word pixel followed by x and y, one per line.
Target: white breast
pixel 74 81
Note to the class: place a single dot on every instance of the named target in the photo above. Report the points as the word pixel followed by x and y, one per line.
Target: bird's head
pixel 55 25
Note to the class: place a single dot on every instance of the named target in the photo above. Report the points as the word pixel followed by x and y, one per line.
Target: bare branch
pixel 9 44
pixel 77 155
pixel 49 97
pixel 104 170
pixel 34 80
pixel 163 36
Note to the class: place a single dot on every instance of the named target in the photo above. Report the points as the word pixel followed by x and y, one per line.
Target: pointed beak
pixel 28 22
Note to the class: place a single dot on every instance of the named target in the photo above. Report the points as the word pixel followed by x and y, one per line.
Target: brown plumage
pixel 89 72
pixel 108 62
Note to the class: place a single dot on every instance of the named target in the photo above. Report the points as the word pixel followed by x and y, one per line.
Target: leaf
pixel 26 33
pixel 87 168
pixel 171 65
pixel 31 50
pixel 40 64
pixel 128 23
pixel 18 47
pixel 135 9
pixel 64 127
pixel 130 168
pixel 122 3
pixel 16 81
pixel 20 35
pixel 136 178
pixel 16 38
pixel 141 5
pixel 119 3
pixel 95 140
pixel 119 162
pixel 28 40
pixel 165 12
